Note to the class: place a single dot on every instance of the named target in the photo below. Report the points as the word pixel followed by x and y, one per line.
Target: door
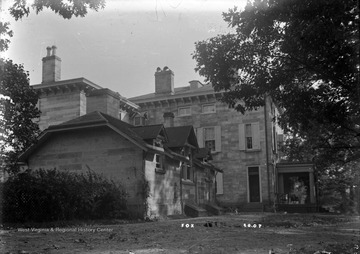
pixel 254 184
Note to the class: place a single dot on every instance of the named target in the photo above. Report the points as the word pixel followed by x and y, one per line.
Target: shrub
pixel 52 195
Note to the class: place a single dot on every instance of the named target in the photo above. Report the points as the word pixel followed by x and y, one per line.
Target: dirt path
pixel 222 234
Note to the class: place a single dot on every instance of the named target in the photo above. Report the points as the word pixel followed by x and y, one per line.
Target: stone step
pixel 214 209
pixel 192 210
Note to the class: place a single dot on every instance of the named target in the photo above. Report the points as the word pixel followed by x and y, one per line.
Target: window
pixel 138 121
pixel 209 137
pixel 186 111
pixel 249 136
pixel 274 143
pixel 208 108
pixel 187 172
pixel 158 161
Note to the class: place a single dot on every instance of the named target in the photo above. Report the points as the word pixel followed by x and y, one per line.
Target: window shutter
pixel 256 135
pixel 241 137
pixel 200 137
pixel 219 183
pixel 218 138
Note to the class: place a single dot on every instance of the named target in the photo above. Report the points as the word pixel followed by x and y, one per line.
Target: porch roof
pixel 291 167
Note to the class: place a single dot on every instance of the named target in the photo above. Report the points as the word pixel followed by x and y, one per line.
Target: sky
pixel 120 47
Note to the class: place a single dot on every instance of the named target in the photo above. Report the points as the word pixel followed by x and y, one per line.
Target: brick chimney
pixel 164 81
pixel 51 70
pixel 168 119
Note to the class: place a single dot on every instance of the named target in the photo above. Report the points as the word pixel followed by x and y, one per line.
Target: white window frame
pixel 213 140
pixel 186 113
pixel 255 134
pixel 159 163
pixel 188 172
pixel 200 134
pixel 208 105
pixel 249 139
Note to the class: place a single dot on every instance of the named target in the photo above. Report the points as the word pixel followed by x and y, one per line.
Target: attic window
pixel 185 111
pixel 209 108
pixel 138 121
pixel 157 143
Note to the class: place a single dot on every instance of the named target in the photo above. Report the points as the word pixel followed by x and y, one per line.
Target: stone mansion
pixel 243 146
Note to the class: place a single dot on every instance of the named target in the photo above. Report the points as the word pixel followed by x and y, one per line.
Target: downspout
pixel 145 201
pixel 267 151
pixel 181 196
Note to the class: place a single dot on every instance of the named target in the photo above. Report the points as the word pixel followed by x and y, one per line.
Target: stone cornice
pixel 66 85
pixel 80 84
pixel 205 96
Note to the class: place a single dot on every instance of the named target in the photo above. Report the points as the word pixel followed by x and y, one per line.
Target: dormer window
pixel 157 143
pixel 137 121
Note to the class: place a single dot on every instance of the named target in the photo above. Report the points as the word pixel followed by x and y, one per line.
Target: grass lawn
pixel 230 233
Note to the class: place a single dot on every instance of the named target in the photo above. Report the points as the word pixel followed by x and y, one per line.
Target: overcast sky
pixel 121 46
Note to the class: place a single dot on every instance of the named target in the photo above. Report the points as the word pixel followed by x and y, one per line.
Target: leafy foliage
pixel 304 54
pixel 18 104
pixel 66 9
pixel 5 35
pixel 52 195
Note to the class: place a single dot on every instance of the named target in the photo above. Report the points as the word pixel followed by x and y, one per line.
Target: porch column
pixel 312 187
pixel 281 183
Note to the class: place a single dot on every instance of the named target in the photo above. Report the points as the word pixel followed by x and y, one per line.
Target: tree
pixel 17 99
pixel 302 53
pixel 19 108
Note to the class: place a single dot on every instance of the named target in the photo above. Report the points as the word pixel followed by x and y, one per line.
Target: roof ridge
pixel 102 116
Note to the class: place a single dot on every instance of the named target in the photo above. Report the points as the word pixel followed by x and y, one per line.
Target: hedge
pixel 53 195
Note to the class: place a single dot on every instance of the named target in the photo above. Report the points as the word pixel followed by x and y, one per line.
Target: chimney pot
pixel 54 50
pixel 51 68
pixel 48 51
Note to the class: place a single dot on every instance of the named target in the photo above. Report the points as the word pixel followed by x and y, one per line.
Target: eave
pixel 178 98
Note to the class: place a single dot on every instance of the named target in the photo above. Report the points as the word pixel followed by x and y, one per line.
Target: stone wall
pixel 230 158
pixel 60 107
pixel 164 187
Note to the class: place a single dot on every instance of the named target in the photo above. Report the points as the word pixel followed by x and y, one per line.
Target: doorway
pixel 254 184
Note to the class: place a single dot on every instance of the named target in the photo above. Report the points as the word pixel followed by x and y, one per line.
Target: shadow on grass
pixel 304 220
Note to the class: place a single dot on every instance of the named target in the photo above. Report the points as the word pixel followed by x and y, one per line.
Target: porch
pixel 295 188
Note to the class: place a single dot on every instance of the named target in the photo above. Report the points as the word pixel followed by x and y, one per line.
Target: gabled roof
pixel 203 153
pixel 93 119
pixel 207 165
pixel 181 136
pixel 150 131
